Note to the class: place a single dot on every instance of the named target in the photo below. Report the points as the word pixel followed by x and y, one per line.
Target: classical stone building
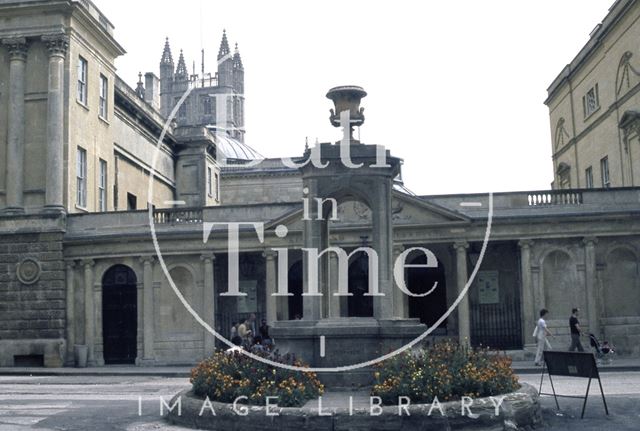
pixel 80 151
pixel 593 107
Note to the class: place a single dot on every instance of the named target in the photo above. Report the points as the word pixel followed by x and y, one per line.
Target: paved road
pixel 622 391
pixel 112 403
pixel 70 403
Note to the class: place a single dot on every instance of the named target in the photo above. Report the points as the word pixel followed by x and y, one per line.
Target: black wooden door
pixel 119 315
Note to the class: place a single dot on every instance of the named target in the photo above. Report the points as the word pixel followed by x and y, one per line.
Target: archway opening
pixel 431 307
pixel 119 315
pixel 562 290
pixel 622 292
pixel 295 287
pixel 359 305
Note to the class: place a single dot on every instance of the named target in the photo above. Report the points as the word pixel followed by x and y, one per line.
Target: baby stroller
pixel 604 352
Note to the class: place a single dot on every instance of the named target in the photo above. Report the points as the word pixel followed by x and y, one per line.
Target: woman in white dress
pixel 540 334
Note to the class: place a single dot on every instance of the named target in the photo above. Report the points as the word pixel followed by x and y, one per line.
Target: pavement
pixel 121 398
pixel 520 367
pixel 134 403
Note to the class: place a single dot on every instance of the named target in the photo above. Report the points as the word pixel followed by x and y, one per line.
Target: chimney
pixel 152 90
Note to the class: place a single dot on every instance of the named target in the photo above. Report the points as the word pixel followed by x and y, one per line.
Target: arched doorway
pixel 562 289
pixel 119 315
pixel 295 287
pixel 421 280
pixel 359 305
pixel 622 290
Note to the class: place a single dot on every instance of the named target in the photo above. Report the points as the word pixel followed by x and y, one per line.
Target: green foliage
pixel 446 370
pixel 225 376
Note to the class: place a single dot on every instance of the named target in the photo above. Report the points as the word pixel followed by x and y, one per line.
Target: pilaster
pixel 148 353
pixel 590 282
pixel 270 262
pixel 209 302
pixel 464 321
pixel 89 311
pixel 526 294
pixel 70 313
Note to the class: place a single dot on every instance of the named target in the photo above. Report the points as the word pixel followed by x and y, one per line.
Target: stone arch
pixel 562 290
pixel 103 266
pixel 351 190
pixel 548 249
pixel 185 266
pixel 119 314
pixel 621 289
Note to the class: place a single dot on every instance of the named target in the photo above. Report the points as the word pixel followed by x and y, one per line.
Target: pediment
pixel 406 210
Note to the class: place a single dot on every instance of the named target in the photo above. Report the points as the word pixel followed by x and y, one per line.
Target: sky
pixel 455 88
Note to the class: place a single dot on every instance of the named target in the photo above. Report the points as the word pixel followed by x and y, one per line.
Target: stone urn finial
pixel 347 98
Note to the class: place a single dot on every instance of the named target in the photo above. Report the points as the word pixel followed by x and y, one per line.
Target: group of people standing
pixel 244 334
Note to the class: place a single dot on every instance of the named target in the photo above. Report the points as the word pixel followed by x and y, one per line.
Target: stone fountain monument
pixel 326 336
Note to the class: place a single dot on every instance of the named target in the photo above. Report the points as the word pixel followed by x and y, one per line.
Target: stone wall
pixel 32 291
pixel 520 410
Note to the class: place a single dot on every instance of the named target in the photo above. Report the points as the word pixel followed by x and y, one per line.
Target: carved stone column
pixel 89 311
pixel 400 300
pixel 57 45
pixel 209 303
pixel 17 48
pixel 590 282
pixel 382 229
pixel 71 315
pixel 334 278
pixel 271 301
pixel 527 297
pixel 464 321
pixel 148 353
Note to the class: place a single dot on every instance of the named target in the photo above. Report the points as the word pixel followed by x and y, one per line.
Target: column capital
pixel 87 263
pixel 147 259
pixel 397 248
pixel 269 254
pixel 460 245
pixel 57 44
pixel 208 257
pixel 525 243
pixel 589 241
pixel 70 263
pixel 17 47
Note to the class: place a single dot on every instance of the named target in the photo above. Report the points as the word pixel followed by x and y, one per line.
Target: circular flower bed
pixel 447 371
pixel 227 376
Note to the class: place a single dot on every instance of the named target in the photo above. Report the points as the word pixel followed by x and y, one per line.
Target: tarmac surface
pixel 130 398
